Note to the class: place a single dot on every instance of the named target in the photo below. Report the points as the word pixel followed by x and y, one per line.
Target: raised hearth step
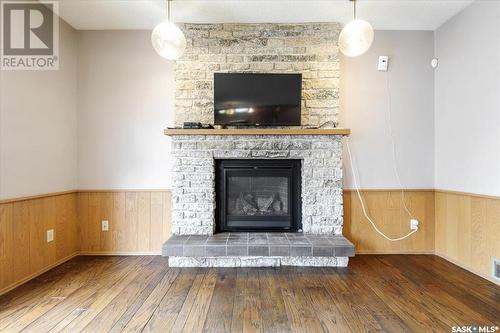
pixel 275 244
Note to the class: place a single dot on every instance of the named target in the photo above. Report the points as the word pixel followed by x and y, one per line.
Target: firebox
pixel 258 195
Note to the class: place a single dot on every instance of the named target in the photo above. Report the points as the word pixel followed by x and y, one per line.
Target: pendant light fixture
pixel 168 40
pixel 356 37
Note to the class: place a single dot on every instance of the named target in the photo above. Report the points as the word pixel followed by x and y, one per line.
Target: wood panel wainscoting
pixel 24 251
pixel 468 230
pixel 139 221
pixel 386 209
pixel 457 226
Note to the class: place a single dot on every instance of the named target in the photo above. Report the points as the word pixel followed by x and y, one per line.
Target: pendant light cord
pixel 354 3
pixel 168 10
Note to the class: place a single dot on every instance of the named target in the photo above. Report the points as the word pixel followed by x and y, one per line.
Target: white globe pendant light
pixel 167 39
pixel 356 37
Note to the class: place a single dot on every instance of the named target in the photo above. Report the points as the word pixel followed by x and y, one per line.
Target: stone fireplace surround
pixel 193 202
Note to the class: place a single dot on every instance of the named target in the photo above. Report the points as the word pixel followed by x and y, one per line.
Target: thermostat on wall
pixel 383 63
pixel 434 62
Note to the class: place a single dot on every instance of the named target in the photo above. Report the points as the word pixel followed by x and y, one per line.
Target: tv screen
pixel 251 99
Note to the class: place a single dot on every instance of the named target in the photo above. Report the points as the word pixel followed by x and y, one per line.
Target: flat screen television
pixel 254 99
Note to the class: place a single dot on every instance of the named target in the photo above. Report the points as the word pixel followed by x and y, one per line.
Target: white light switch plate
pixel 105 225
pixel 50 235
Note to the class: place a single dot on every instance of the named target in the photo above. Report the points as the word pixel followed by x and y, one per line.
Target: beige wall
pixel 125 97
pixel 467 104
pixel 38 125
pixel 125 100
pixel 364 95
pixel 138 157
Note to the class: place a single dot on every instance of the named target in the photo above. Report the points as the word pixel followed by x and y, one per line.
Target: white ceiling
pixel 145 14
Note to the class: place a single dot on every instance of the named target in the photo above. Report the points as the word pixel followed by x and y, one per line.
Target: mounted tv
pixel 252 99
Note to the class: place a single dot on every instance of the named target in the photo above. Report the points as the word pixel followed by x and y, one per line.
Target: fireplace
pixel 258 195
pixel 261 198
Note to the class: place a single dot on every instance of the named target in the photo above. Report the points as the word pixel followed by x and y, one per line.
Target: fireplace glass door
pixel 258 195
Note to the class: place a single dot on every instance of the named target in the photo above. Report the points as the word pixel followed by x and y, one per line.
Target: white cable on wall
pixel 354 176
pixel 363 204
pixel 393 144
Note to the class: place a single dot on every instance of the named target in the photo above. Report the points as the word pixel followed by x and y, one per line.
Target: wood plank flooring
pixel 391 293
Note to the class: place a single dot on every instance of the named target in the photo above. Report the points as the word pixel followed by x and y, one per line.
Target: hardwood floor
pixel 391 293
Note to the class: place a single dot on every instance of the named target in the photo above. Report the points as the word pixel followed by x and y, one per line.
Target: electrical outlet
pixel 413 224
pixel 50 235
pixel 105 225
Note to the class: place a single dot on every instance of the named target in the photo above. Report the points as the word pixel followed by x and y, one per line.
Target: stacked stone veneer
pixel 310 49
pixel 193 203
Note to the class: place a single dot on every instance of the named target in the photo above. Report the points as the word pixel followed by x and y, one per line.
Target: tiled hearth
pixel 274 244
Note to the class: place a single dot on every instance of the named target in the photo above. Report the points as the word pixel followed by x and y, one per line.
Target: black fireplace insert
pixel 258 195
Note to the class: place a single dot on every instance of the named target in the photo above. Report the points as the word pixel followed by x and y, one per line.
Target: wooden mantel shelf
pixel 259 131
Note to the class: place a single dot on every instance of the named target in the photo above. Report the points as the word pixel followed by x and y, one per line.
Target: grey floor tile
pixel 234 241
pixel 320 242
pixel 237 250
pixel 216 241
pixel 258 250
pixel 344 251
pixel 301 251
pixel 278 241
pixel 194 250
pixel 276 250
pixel 215 250
pixel 322 251
pixel 299 241
pixel 257 240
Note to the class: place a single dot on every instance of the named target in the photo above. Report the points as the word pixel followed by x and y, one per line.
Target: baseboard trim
pixel 473 271
pixel 34 275
pixel 395 252
pixel 119 253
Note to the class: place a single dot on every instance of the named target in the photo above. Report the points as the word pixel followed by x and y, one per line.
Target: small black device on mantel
pixel 195 125
pixel 255 99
